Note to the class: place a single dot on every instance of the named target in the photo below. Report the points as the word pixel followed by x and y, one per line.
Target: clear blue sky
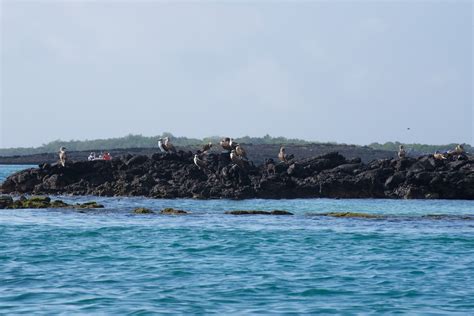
pixel 353 72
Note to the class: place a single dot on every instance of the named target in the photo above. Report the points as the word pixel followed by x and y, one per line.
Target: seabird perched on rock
pixel 459 149
pixel 439 156
pixel 270 166
pixel 225 143
pixel 233 144
pixel 240 151
pixel 236 159
pixel 282 154
pixel 207 147
pixel 161 145
pixel 401 152
pixel 169 146
pixel 199 162
pixel 62 156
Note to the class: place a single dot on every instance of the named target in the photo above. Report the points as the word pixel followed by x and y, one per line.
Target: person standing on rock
pixel 62 156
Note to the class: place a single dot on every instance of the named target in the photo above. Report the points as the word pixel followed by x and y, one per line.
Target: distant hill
pixel 139 141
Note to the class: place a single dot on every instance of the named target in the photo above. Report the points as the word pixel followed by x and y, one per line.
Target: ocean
pixel 111 261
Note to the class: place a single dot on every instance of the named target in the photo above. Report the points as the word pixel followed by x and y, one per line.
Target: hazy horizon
pixel 348 72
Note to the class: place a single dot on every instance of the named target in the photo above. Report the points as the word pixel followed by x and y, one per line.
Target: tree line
pixel 418 148
pixel 140 141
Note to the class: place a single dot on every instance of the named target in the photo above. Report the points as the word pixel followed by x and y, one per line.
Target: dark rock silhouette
pixel 176 176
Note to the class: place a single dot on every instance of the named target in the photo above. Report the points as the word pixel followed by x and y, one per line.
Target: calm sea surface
pixel 113 262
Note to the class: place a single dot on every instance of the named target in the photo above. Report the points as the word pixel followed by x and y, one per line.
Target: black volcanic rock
pixel 176 176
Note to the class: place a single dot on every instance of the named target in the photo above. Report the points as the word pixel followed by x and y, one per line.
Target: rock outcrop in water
pixel 176 176
pixel 34 202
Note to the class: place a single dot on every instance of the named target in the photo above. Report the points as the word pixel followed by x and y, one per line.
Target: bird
pixel 161 145
pixel 270 166
pixel 401 152
pixel 233 144
pixel 459 149
pixel 169 146
pixel 199 162
pixel 240 151
pixel 207 147
pixel 225 143
pixel 62 156
pixel 236 159
pixel 439 156
pixel 282 154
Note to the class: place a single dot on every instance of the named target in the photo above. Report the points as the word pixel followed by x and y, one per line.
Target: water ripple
pixel 113 262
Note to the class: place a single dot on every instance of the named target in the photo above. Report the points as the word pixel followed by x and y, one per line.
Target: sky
pixel 352 72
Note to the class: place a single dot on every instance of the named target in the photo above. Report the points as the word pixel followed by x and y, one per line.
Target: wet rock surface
pixel 258 212
pixel 348 215
pixel 172 211
pixel 37 202
pixel 176 176
pixel 143 210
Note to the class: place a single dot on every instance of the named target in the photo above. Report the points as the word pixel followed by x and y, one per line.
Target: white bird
pixel 62 156
pixel 240 151
pixel 439 156
pixel 199 162
pixel 161 145
pixel 236 159
pixel 168 146
pixel 401 152
pixel 282 154
pixel 225 143
pixel 233 144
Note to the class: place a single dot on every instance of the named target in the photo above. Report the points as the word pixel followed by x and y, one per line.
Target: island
pixel 175 175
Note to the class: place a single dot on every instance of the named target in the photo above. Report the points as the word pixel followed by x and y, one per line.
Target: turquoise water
pixel 113 262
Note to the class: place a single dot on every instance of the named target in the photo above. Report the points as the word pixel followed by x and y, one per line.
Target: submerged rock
pixel 5 201
pixel 38 202
pixel 142 210
pixel 92 204
pixel 172 211
pixel 258 212
pixel 348 215
pixel 449 217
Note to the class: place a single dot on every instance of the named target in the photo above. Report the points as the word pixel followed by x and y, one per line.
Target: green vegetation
pixel 418 148
pixel 138 141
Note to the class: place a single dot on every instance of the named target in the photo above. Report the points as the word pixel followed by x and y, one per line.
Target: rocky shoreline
pixel 176 176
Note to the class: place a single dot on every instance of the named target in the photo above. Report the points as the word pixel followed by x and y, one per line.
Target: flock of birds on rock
pixel 238 155
pixel 458 151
